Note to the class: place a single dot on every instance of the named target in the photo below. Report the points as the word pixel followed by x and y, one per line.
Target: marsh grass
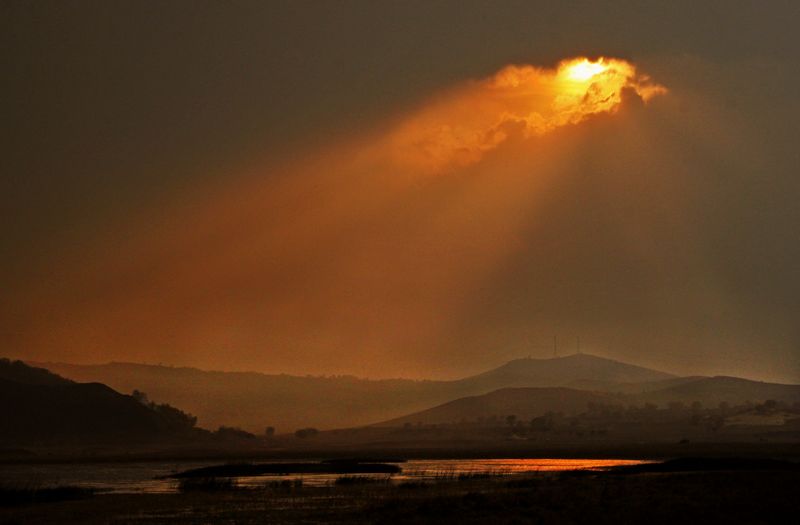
pixel 449 475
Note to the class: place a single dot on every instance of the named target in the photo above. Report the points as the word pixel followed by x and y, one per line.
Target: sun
pixel 585 70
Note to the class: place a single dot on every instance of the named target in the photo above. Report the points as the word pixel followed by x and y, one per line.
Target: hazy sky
pixel 215 184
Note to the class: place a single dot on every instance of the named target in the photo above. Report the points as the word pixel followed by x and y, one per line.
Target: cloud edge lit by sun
pixel 475 118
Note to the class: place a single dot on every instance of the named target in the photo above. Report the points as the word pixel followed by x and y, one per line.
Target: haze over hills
pixel 253 401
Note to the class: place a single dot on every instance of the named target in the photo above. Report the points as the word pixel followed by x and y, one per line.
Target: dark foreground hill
pixel 254 401
pixel 42 408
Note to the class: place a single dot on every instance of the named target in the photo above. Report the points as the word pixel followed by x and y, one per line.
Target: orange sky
pixel 466 230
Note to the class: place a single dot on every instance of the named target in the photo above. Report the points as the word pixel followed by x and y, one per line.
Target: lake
pixel 142 477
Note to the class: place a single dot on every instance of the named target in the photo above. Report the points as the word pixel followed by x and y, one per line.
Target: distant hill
pixel 523 403
pixel 526 403
pixel 565 371
pixel 42 408
pixel 254 401
pixel 714 390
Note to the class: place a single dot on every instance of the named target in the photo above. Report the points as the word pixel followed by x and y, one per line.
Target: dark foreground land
pixel 684 491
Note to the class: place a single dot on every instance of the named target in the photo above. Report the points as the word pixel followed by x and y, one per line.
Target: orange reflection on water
pixel 455 467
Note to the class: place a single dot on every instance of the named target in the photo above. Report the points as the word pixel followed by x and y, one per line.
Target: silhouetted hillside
pixel 21 373
pixel 254 401
pixel 42 408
